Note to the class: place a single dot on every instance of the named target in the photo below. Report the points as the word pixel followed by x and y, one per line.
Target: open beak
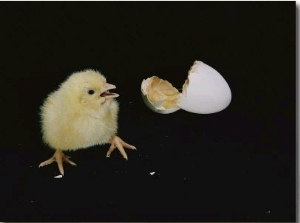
pixel 106 93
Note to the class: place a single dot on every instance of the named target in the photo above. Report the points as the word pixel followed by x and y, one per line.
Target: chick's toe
pixel 47 162
pixel 117 142
pixel 59 157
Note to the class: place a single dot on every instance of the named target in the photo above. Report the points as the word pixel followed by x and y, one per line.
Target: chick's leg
pixel 59 157
pixel 117 142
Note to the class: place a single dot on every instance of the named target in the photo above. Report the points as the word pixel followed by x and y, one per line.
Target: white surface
pixel 58 176
pixel 207 91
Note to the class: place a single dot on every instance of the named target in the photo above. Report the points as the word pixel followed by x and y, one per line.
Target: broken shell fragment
pixel 58 176
pixel 205 91
pixel 160 96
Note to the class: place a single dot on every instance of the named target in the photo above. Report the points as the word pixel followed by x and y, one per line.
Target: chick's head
pixel 88 88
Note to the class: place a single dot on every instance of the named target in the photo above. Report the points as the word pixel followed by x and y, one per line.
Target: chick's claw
pixel 59 157
pixel 117 142
pixel 47 162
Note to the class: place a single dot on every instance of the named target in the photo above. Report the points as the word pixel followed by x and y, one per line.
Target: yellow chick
pixel 80 114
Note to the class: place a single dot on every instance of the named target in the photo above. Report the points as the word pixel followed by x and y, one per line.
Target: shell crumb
pixel 58 176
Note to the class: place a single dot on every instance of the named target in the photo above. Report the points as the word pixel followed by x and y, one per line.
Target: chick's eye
pixel 91 92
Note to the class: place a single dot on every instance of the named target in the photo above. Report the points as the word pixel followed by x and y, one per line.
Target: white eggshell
pixel 157 109
pixel 154 107
pixel 206 92
pixel 58 176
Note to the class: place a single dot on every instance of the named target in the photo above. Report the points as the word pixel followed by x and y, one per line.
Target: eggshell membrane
pixel 160 96
pixel 205 91
pixel 161 91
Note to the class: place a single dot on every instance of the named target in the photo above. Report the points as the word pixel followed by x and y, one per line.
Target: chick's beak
pixel 106 93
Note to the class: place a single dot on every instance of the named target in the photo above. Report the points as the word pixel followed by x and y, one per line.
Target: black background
pixel 235 165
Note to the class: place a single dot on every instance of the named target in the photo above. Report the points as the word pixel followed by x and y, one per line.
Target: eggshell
pixel 158 109
pixel 58 176
pixel 156 104
pixel 204 92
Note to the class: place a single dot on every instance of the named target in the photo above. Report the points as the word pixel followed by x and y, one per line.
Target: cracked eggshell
pixel 159 95
pixel 204 92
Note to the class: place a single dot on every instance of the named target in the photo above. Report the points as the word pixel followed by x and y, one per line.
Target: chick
pixel 81 113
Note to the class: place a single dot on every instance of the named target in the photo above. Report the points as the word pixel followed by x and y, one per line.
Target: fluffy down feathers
pixel 77 115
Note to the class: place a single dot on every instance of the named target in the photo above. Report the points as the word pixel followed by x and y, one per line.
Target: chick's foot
pixel 117 142
pixel 59 157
